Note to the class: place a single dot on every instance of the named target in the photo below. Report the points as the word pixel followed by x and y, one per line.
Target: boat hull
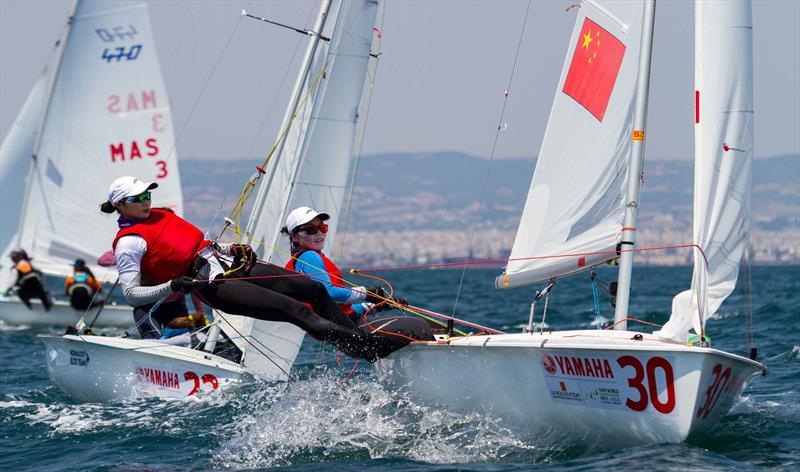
pixel 14 312
pixel 104 369
pixel 605 390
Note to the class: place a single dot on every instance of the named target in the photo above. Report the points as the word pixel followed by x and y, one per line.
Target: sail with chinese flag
pixel 594 68
pixel 576 201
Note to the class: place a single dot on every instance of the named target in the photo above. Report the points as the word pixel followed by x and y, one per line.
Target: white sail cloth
pixel 314 167
pixel 723 160
pixel 15 160
pixel 107 115
pixel 576 201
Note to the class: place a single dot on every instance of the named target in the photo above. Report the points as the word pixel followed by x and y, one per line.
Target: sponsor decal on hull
pixel 167 382
pixel 78 358
pixel 627 383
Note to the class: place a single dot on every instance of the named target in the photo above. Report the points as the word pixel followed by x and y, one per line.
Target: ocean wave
pixel 322 419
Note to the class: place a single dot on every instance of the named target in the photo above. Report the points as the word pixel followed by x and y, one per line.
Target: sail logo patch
pixel 594 68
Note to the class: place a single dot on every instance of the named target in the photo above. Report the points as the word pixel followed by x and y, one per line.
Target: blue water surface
pixel 326 420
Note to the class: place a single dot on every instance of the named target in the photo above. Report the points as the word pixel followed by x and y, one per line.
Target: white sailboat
pixel 615 388
pixel 318 144
pixel 99 110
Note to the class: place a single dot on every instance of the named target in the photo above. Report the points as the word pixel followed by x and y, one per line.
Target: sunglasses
pixel 142 197
pixel 311 230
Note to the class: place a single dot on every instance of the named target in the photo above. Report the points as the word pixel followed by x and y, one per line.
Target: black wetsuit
pixel 29 285
pixel 284 299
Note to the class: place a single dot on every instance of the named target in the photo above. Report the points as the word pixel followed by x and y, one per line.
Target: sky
pixel 439 87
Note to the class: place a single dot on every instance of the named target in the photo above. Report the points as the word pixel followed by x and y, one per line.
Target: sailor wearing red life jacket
pixel 169 253
pixel 307 231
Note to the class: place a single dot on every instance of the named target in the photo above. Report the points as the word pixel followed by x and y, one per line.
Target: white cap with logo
pixel 301 216
pixel 127 186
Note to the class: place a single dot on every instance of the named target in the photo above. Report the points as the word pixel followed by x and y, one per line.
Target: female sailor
pixel 307 231
pixel 171 255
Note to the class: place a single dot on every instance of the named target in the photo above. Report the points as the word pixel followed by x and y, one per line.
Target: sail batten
pixel 576 201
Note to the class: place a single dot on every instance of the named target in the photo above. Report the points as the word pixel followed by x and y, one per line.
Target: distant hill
pixel 442 191
pixel 423 191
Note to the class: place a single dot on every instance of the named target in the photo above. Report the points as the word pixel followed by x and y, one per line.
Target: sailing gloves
pixel 243 255
pixel 382 300
pixel 376 295
pixel 184 284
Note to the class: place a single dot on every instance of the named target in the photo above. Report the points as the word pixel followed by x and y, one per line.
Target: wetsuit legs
pixel 300 288
pixel 32 287
pixel 254 300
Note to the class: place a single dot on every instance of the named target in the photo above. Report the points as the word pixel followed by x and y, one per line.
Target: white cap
pixel 301 216
pixel 126 187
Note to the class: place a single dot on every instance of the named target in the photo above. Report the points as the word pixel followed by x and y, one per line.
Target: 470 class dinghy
pixel 616 387
pixel 311 163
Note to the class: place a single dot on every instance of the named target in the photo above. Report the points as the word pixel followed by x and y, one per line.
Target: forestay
pixel 314 166
pixel 576 201
pixel 723 160
pixel 107 114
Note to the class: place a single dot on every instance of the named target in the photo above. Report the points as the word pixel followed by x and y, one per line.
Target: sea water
pixel 334 419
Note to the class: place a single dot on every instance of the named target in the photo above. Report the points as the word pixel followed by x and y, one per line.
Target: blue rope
pixel 596 297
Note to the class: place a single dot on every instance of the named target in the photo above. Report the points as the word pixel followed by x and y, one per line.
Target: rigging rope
pixel 596 298
pixel 505 261
pixel 500 128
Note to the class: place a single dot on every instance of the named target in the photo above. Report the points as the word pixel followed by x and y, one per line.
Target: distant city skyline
pixel 443 70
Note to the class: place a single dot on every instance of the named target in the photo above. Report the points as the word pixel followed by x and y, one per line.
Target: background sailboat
pixel 313 166
pixel 614 388
pixel 100 110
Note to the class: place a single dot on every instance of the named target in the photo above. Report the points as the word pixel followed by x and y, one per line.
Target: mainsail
pixel 15 159
pixel 723 160
pixel 314 166
pixel 576 201
pixel 107 114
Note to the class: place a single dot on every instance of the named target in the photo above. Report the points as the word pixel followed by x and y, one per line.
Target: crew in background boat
pixel 307 232
pixel 82 287
pixel 30 281
pixel 160 246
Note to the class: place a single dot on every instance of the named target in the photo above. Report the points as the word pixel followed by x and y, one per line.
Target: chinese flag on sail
pixel 594 68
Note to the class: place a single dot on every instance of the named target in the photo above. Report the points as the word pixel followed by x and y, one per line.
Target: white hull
pixel 594 387
pixel 103 369
pixel 14 312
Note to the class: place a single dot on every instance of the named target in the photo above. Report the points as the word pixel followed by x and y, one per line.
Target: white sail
pixel 328 154
pixel 107 115
pixel 15 159
pixel 576 201
pixel 723 160
pixel 314 166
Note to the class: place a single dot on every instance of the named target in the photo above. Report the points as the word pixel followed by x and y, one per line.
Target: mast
pixel 48 98
pixel 258 204
pixel 635 168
